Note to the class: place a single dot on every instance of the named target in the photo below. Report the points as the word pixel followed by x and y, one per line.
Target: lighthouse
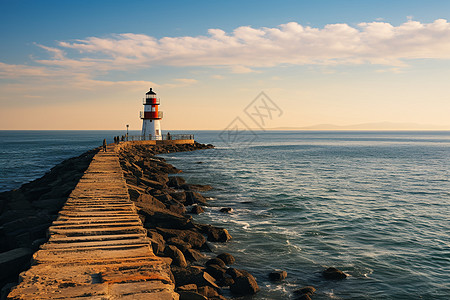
pixel 151 116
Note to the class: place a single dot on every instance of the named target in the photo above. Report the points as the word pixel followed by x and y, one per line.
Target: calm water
pixel 374 204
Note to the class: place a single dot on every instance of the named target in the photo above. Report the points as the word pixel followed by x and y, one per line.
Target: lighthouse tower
pixel 151 127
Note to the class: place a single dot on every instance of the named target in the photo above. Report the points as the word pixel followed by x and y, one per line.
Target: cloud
pixel 8 71
pixel 241 70
pixel 181 82
pixel 186 80
pixel 246 48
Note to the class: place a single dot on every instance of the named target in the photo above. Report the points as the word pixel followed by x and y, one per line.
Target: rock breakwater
pixel 163 200
pixel 27 212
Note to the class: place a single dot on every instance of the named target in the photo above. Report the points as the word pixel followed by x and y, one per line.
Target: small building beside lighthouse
pixel 151 117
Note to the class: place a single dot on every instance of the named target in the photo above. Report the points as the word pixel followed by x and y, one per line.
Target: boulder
pixel 164 198
pixel 305 290
pixel 19 205
pixel 180 244
pixel 187 287
pixel 216 234
pixel 136 170
pixel 145 200
pixel 227 258
pixel 37 192
pixel 53 206
pixel 61 190
pixel 151 183
pixel 176 181
pixel 37 243
pixel 304 293
pixel 234 272
pixel 205 279
pixel 167 168
pixel 134 194
pixel 194 198
pixel 14 261
pixel 193 255
pixel 158 243
pixel 184 276
pixel 197 209
pixel 179 196
pixel 277 275
pixel 208 291
pixel 160 177
pixel 226 281
pixel 6 289
pixel 226 210
pixel 154 192
pixel 176 207
pixel 194 238
pixel 216 261
pixel 191 295
pixel 27 223
pixel 244 284
pixel 176 255
pixel 333 274
pixel 216 271
pixel 193 274
pixel 196 187
pixel 165 218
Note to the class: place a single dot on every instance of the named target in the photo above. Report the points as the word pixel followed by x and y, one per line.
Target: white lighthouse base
pixel 151 129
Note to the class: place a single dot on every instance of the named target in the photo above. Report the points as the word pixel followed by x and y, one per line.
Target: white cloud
pixel 181 82
pixel 186 80
pixel 246 48
pixel 291 43
pixel 8 71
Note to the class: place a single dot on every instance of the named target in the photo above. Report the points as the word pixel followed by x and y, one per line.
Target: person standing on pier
pixel 104 145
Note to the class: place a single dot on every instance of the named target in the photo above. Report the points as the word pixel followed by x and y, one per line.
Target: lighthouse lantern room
pixel 151 116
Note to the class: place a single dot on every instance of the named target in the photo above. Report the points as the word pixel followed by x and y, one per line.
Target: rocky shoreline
pixel 165 204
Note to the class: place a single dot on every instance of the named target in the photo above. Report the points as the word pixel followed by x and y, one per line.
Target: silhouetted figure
pixel 104 145
pixel 169 137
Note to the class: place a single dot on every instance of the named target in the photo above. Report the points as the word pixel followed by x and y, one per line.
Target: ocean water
pixel 373 204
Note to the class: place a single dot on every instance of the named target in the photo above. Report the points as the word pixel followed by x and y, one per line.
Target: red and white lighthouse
pixel 151 116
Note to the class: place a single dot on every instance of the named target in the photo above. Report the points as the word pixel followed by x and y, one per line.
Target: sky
pixel 86 65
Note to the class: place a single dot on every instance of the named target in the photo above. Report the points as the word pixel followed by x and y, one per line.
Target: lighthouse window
pixel 153 108
pixel 157 131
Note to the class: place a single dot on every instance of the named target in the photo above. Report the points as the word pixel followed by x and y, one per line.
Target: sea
pixel 375 205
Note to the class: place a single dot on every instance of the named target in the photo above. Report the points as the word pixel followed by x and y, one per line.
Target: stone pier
pixel 98 248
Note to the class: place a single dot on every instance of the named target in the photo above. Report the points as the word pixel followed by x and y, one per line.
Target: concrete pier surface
pixel 98 248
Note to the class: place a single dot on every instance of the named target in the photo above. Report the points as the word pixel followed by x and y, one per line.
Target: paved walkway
pixel 98 248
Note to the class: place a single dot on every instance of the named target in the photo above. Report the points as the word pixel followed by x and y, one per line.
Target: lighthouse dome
pixel 151 92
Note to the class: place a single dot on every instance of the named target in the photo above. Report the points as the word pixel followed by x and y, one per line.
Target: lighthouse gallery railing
pixel 165 137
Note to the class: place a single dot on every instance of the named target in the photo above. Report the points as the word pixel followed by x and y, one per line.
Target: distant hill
pixel 369 126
